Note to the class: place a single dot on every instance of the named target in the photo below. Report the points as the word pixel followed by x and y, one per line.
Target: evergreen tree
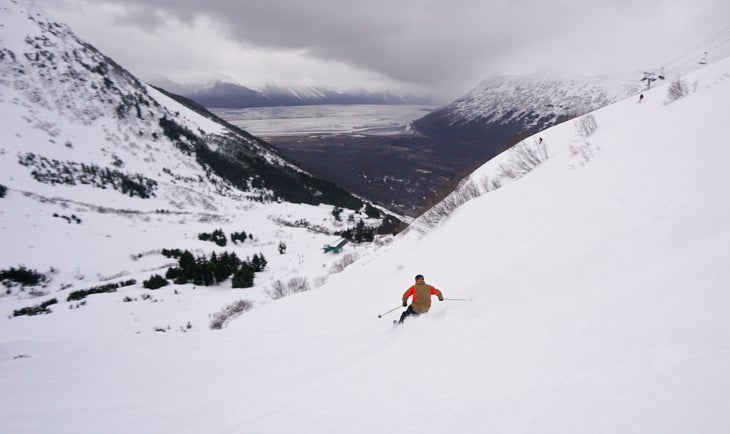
pixel 243 278
pixel 371 211
pixel 187 265
pixel 258 263
pixel 155 282
pixel 239 237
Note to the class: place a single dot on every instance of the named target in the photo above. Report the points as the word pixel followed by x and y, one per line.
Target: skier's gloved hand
pixel 405 304
pixel 441 299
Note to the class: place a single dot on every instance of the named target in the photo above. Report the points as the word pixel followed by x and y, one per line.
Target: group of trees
pixel 43 308
pixel 207 271
pixel 68 219
pixel 22 276
pixel 360 233
pixel 71 173
pixel 39 309
pixel 109 287
pixel 219 237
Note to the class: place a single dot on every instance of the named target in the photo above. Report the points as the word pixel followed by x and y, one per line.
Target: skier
pixel 641 97
pixel 421 293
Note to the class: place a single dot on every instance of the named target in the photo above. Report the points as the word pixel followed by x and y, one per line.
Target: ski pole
pixel 381 315
pixel 458 299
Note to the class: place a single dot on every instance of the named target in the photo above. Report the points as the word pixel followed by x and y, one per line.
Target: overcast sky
pixel 437 47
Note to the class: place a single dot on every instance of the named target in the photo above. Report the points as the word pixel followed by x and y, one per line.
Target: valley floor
pixel 400 172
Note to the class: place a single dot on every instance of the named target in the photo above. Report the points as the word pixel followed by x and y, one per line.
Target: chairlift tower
pixel 649 77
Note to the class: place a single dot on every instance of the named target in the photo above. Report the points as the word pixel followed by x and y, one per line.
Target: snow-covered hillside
pixel 101 172
pixel 543 97
pixel 598 288
pixel 503 109
pixel 86 109
pixel 599 304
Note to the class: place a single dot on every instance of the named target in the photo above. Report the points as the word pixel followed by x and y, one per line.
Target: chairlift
pixel 703 60
pixel 649 77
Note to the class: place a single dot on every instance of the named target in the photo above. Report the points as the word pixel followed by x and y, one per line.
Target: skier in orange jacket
pixel 421 293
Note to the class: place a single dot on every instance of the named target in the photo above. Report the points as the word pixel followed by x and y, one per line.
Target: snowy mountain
pixel 94 160
pixel 53 82
pixel 586 294
pixel 501 110
pixel 224 94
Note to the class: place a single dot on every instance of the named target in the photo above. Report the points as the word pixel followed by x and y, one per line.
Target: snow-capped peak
pixel 504 97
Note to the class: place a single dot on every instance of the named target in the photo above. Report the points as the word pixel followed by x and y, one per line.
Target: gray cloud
pixel 434 44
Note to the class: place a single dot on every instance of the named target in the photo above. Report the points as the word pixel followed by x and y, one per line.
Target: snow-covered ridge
pixel 229 94
pixel 502 110
pixel 87 109
pixel 84 142
pixel 574 135
pixel 84 108
pixel 505 97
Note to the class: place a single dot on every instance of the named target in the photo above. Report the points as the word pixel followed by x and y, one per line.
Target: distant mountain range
pixel 223 94
pixel 501 110
pixel 75 118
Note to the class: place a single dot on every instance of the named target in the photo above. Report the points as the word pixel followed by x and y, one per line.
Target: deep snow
pixel 599 293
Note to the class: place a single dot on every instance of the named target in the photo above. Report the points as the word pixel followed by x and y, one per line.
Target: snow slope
pixel 503 110
pixel 76 130
pixel 599 290
pixel 541 96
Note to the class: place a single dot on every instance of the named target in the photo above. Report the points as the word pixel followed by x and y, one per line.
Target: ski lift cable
pixel 699 47
pixel 715 47
pixel 690 57
pixel 693 59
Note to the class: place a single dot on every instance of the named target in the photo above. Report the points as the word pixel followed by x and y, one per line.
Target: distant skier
pixel 421 293
pixel 540 142
pixel 641 97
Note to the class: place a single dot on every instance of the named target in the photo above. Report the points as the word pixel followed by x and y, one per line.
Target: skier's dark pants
pixel 407 313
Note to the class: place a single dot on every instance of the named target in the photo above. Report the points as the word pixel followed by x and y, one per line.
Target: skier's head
pixel 419 277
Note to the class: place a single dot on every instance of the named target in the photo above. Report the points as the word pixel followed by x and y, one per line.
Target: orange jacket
pixel 421 296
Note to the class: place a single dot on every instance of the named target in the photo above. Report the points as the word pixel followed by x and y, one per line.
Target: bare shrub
pixel 586 126
pixel 301 223
pixel 346 260
pixel 231 311
pixel 677 89
pixel 279 289
pixel 298 284
pixel 490 184
pixel 464 192
pixel 523 159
